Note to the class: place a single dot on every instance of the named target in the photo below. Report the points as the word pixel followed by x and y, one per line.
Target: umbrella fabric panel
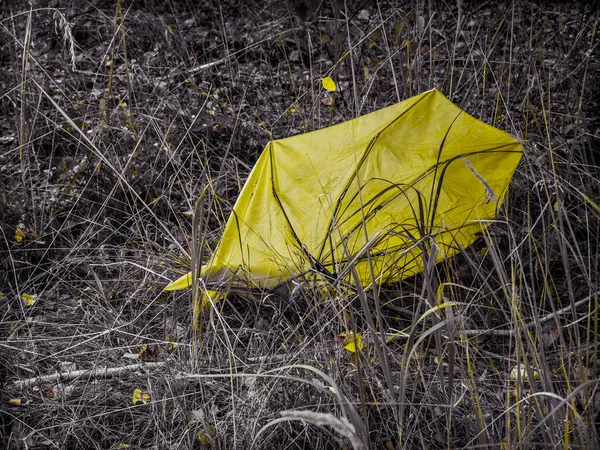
pixel 375 190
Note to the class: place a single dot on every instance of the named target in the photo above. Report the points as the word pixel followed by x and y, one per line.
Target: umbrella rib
pixel 343 193
pixel 418 215
pixel 371 144
pixel 431 212
pixel 354 173
pixel 315 264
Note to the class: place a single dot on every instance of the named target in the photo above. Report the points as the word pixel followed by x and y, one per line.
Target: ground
pixel 114 117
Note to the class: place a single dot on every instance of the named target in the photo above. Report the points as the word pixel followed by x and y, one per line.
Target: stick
pixel 99 372
pixel 533 324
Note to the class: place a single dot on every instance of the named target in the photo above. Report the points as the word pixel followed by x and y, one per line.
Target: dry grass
pixel 114 121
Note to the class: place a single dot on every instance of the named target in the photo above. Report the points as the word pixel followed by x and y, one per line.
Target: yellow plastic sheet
pixel 372 192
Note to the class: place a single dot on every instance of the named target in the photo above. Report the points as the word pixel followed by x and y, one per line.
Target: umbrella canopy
pixel 370 194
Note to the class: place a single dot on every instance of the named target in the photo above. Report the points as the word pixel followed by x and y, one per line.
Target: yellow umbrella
pixel 372 192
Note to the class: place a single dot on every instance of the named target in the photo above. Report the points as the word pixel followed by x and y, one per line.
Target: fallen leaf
pixel 522 370
pixel 206 436
pixel 352 343
pixel 28 299
pixel 14 401
pixel 329 84
pixel 50 392
pixel 139 396
pixel 23 233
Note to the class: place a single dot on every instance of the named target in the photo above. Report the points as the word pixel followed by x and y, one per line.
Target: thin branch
pixel 533 324
pixel 98 372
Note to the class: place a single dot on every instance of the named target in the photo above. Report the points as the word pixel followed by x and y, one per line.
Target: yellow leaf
pixel 23 233
pixel 522 370
pixel 170 29
pixel 120 446
pixel 143 350
pixel 206 436
pixel 139 396
pixel 15 401
pixel 437 361
pixel 50 392
pixel 28 299
pixel 351 343
pixel 329 84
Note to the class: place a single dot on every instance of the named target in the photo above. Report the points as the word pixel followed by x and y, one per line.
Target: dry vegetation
pixel 114 118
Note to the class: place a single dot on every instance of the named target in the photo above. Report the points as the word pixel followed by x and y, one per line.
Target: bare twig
pixel 96 373
pixel 533 324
